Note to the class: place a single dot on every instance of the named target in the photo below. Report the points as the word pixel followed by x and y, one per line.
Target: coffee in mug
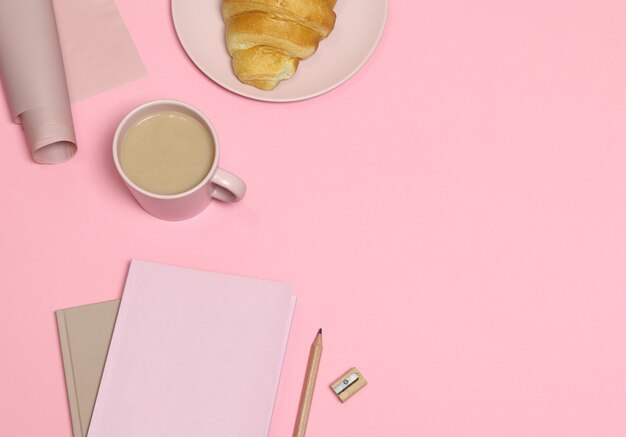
pixel 167 153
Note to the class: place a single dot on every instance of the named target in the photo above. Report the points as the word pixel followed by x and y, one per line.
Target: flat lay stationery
pixel 184 352
pixel 439 185
pixel 193 353
pixel 172 357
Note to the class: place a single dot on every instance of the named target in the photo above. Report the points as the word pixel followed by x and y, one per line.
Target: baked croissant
pixel 268 38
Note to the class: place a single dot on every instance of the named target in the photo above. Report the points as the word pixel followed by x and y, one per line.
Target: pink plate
pixel 359 26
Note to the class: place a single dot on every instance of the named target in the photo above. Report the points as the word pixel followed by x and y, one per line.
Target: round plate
pixel 358 29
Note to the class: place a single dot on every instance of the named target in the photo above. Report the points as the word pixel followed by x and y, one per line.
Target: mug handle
pixel 228 187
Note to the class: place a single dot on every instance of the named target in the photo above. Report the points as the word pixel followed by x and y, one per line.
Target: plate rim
pixel 270 99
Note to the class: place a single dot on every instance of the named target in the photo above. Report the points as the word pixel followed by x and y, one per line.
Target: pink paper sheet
pixel 98 51
pixel 193 354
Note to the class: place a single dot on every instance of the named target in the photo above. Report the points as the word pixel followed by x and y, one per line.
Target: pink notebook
pixel 193 354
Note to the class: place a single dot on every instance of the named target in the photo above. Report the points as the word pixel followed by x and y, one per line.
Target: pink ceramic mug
pixel 217 184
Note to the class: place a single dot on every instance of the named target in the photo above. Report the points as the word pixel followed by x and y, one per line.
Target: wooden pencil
pixel 309 386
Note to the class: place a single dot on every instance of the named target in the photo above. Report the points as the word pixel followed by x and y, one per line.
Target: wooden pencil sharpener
pixel 348 384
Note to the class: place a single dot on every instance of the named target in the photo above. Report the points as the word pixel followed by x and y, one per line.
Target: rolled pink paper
pixel 31 67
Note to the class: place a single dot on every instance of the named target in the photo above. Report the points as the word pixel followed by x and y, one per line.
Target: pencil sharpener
pixel 348 384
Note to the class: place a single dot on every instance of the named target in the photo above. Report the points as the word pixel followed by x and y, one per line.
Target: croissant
pixel 267 38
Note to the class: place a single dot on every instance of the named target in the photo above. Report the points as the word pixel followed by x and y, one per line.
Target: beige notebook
pixel 85 333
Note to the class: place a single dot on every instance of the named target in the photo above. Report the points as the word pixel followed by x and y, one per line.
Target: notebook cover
pixel 85 333
pixel 193 354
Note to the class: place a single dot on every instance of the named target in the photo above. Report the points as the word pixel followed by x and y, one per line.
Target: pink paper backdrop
pixel 454 217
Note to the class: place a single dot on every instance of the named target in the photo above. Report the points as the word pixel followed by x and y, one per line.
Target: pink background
pixel 454 217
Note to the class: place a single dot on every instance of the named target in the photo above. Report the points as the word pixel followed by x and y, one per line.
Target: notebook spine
pixel 68 369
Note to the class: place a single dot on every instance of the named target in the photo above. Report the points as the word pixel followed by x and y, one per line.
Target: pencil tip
pixel 319 332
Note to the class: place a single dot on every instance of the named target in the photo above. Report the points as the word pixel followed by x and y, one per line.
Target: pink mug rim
pixel 152 103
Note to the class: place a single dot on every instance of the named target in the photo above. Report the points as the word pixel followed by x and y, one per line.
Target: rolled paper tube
pixel 31 67
pixel 50 134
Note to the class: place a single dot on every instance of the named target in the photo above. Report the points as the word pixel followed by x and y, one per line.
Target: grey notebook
pixel 85 333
